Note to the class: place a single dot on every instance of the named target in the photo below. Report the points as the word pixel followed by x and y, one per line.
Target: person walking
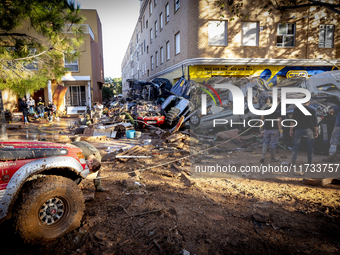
pixel 24 108
pixel 41 107
pixel 50 110
pixel 335 138
pixel 272 132
pixel 306 129
pixel 93 159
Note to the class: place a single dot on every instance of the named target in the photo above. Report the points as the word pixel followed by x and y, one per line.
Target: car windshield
pixel 295 82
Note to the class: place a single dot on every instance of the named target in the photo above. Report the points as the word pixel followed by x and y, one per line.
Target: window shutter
pixel 326 36
pixel 329 36
pixel 322 36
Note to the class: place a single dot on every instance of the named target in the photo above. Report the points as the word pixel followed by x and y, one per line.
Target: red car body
pixel 158 120
pixel 20 160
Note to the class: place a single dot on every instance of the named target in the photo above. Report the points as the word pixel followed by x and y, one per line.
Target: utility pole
pixel 3 130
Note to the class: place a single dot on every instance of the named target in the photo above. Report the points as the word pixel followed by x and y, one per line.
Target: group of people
pixel 29 107
pixel 305 128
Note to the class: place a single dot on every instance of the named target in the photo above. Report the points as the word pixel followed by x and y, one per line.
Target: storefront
pixel 272 74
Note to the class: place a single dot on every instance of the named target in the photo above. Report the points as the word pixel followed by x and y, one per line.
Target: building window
pixel 217 33
pixel 71 63
pixel 177 43
pixel 161 55
pixel 250 33
pixel 33 64
pixel 147 24
pixel 143 21
pixel 167 50
pixel 167 13
pixel 144 45
pixel 147 49
pixel 76 96
pixel 151 36
pixel 285 35
pixel 156 57
pixel 326 36
pixel 156 28
pixel 160 22
pixel 155 2
pixel 151 61
pixel 150 8
pixel 177 5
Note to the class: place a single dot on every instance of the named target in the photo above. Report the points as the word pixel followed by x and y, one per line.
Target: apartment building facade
pixel 188 37
pixel 82 85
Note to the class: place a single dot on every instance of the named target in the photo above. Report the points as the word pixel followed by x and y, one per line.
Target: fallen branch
pixel 124 210
pixel 140 214
pixel 132 156
pixel 148 249
pixel 159 248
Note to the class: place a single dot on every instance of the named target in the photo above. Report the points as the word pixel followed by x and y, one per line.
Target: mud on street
pixel 165 210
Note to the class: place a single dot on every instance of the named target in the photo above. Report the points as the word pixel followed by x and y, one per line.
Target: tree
pixel 3 131
pixel 112 86
pixel 53 22
pixel 235 7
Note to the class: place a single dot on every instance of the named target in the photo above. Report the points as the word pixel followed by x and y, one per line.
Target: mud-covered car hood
pixel 17 150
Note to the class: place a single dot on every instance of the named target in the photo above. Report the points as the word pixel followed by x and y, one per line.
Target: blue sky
pixel 119 18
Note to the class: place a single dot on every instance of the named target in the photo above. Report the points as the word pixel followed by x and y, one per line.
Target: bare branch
pixel 313 3
pixel 333 10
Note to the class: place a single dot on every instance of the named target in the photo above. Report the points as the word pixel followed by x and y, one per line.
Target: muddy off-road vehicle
pixel 38 188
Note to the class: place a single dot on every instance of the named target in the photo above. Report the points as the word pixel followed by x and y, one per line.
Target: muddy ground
pixel 169 212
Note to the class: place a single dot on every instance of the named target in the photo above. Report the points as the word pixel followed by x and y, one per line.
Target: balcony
pixel 85 28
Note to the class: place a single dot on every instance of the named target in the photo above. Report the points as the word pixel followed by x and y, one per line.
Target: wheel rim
pixel 194 119
pixel 52 211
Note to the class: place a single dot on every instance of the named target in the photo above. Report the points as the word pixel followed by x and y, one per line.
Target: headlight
pixel 81 157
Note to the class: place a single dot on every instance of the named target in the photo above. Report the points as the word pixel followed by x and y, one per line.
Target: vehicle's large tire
pixel 88 150
pixel 172 116
pixel 40 204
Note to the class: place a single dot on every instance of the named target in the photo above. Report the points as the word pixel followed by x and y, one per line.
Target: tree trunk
pixel 3 130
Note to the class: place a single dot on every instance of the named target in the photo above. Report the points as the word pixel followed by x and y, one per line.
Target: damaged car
pixel 224 110
pixel 148 114
pixel 178 104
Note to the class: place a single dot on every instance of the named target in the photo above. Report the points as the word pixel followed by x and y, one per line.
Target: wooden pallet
pixel 135 152
pixel 13 126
